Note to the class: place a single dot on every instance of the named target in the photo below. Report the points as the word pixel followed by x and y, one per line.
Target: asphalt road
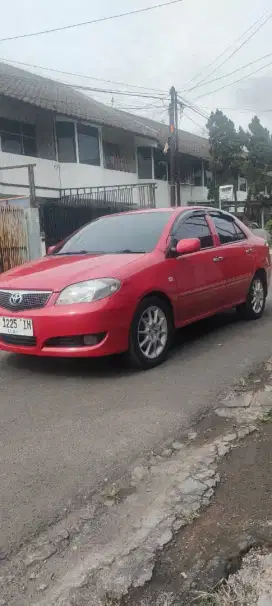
pixel 65 426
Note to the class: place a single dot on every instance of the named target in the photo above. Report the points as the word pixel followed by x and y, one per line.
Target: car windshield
pixel 124 233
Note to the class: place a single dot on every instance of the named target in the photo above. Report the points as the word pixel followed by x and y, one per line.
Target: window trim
pixel 223 214
pixel 22 137
pixel 75 123
pixel 193 213
pixel 152 163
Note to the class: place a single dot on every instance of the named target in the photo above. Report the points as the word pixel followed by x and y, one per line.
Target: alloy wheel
pixel 152 332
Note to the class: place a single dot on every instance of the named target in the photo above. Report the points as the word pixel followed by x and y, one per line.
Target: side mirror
pixel 187 246
pixel 50 250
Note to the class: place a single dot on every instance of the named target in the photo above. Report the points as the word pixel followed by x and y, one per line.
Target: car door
pixel 199 279
pixel 235 255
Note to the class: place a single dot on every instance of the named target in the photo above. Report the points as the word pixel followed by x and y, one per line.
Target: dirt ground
pixel 239 517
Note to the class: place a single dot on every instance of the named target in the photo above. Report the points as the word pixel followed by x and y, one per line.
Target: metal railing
pixel 129 196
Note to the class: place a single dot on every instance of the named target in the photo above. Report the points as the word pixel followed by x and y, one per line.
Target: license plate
pixel 16 326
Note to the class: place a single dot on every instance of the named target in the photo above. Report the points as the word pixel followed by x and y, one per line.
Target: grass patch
pixel 267 418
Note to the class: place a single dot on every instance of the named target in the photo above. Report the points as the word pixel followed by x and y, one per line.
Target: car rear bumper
pixel 54 324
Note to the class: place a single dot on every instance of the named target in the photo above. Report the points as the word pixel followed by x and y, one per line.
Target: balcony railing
pixel 129 196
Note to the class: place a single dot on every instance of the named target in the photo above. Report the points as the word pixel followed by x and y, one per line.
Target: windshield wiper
pixel 81 252
pixel 128 251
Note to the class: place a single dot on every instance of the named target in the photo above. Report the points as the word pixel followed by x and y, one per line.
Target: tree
pixel 227 150
pixel 258 160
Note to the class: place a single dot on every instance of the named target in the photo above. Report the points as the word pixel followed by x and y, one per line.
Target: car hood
pixel 55 272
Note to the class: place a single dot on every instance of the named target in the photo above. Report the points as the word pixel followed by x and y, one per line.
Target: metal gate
pixel 61 217
pixel 13 237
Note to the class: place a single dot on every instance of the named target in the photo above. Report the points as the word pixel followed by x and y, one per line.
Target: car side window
pixel 240 234
pixel 195 226
pixel 228 231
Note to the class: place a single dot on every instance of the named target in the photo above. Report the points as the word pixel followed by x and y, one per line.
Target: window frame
pixel 191 213
pixel 221 214
pixel 21 135
pixel 59 118
pixel 152 162
pixel 77 123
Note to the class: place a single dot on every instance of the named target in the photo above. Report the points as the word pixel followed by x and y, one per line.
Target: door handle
pixel 249 251
pixel 216 259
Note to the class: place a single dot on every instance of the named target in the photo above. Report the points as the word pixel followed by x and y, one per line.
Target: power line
pixel 232 54
pixel 193 107
pixel 243 110
pixel 226 50
pixel 80 75
pixel 234 71
pixel 92 22
pixel 86 88
pixel 113 92
pixel 196 123
pixel 232 83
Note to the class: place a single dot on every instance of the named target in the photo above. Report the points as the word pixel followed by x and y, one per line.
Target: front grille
pixel 18 340
pixel 20 300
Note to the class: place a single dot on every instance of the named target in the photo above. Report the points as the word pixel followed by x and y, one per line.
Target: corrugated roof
pixel 64 99
pixel 188 143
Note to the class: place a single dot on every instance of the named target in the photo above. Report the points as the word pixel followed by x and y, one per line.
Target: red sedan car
pixel 125 282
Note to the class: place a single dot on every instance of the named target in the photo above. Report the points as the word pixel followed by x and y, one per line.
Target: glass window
pixel 144 162
pixel 197 174
pixel 65 132
pixel 112 156
pixel 29 145
pixel 125 233
pixel 194 226
pixel 18 137
pixel 11 143
pixel 239 232
pixel 160 165
pixel 88 145
pixel 227 229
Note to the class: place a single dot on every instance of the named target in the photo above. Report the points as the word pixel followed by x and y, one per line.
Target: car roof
pixel 176 209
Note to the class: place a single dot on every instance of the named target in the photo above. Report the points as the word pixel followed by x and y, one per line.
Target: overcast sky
pixel 157 49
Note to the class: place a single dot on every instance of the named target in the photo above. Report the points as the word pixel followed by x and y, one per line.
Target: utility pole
pixel 173 143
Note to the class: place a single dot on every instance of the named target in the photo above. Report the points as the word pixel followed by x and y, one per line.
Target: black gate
pixel 61 217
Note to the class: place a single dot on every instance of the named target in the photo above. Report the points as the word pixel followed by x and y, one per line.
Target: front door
pixel 199 279
pixel 235 257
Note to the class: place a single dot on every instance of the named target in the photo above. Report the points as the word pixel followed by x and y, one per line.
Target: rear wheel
pixel 254 306
pixel 151 333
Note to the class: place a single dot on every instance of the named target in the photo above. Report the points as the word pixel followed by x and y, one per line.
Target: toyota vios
pixel 125 282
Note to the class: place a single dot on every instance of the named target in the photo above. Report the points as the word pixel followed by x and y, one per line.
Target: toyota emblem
pixel 15 298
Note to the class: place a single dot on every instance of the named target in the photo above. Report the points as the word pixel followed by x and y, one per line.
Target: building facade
pixel 76 142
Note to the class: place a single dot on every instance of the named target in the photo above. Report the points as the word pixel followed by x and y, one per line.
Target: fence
pixel 13 237
pixel 132 196
pixel 78 206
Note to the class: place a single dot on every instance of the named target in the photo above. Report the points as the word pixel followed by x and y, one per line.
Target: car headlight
pixel 86 292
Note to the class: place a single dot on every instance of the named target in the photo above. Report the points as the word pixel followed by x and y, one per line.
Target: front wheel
pixel 151 333
pixel 254 306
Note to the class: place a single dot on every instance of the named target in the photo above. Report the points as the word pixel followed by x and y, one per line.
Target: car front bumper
pixel 110 318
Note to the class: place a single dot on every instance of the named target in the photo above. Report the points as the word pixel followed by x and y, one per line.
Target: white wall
pixel 47 175
pixel 193 193
pixel 83 175
pixel 162 194
pixel 55 175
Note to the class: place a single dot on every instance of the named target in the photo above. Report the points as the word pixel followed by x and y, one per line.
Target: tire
pixel 151 333
pixel 254 306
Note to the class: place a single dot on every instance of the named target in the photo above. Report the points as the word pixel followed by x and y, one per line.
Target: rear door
pixel 235 256
pixel 199 280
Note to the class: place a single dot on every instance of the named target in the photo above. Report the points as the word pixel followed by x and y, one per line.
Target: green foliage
pixel 239 152
pixel 258 160
pixel 268 227
pixel 226 147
